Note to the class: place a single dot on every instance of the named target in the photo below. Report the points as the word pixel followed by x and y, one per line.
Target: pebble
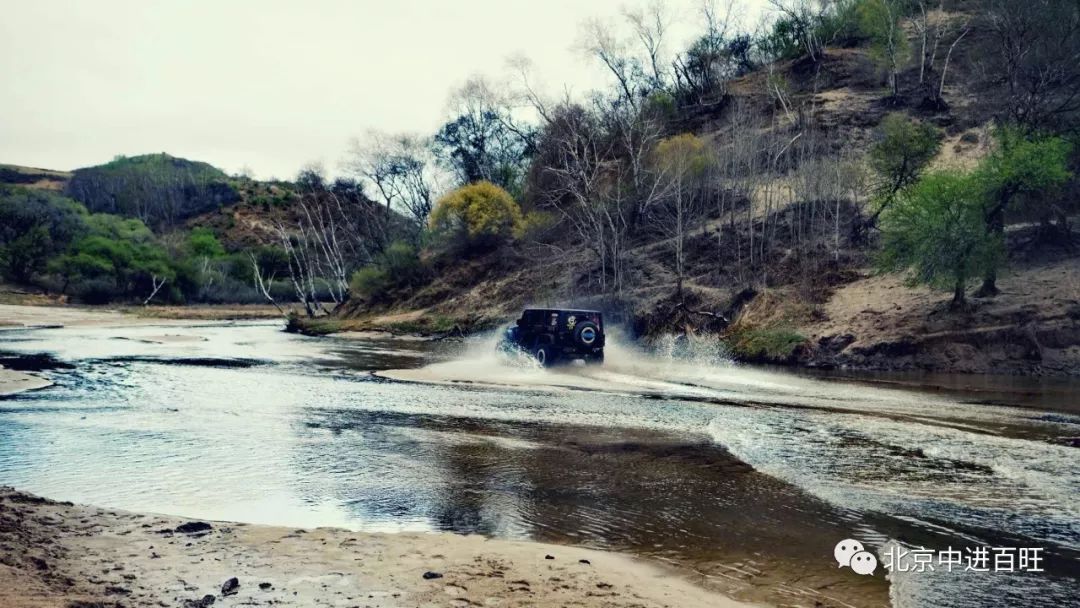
pixel 231 586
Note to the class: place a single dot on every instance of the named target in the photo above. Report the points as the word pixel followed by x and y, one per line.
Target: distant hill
pixel 33 177
pixel 159 189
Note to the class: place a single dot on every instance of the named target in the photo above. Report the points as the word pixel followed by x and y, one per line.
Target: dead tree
pixel 264 285
pixel 156 284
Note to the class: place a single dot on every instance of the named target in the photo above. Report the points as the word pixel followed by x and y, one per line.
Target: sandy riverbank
pixel 18 316
pixel 59 554
pixel 12 382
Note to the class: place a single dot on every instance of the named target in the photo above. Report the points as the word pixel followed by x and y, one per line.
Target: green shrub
pixel 397 267
pixel 369 281
pixel 936 230
pixel 765 343
pixel 203 243
pixel 35 226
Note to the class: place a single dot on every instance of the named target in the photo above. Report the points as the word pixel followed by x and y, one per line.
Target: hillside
pixel 745 198
pixel 32 177
pixel 812 295
pixel 159 189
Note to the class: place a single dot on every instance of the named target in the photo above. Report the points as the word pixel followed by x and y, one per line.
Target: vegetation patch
pixel 765 344
pixel 320 326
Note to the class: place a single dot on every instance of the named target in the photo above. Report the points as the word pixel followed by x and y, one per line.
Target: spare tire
pixel 587 334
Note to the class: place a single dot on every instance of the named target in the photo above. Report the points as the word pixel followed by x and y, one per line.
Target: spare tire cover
pixel 587 333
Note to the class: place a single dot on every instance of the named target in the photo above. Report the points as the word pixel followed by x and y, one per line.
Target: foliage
pixel 1024 164
pixel 35 225
pixel 158 189
pixel 397 267
pixel 936 231
pixel 903 148
pixel 122 252
pixel 482 141
pixel 765 343
pixel 685 154
pixel 804 28
pixel 52 241
pixel 203 243
pixel 879 20
pixel 477 216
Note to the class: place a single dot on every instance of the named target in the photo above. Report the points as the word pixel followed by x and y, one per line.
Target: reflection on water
pixel 747 477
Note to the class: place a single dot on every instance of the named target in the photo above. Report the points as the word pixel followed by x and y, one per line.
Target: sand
pixel 16 317
pixel 59 554
pixel 12 382
pixel 21 316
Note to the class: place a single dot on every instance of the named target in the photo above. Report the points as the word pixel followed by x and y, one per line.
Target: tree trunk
pixel 995 224
pixel 959 302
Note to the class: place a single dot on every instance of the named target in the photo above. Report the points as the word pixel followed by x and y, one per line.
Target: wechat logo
pixel 850 552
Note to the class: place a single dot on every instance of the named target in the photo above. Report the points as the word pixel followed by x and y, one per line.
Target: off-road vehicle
pixel 553 335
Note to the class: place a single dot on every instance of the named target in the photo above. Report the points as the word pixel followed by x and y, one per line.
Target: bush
pixel 369 281
pixel 397 267
pixel 96 291
pixel 477 216
pixel 766 344
pixel 35 226
pixel 203 243
pixel 903 147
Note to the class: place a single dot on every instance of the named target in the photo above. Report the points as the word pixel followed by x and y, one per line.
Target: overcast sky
pixel 270 85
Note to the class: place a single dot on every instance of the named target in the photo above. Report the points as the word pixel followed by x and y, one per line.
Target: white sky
pixel 268 84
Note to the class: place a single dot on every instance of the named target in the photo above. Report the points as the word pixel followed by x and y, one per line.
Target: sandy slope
pixel 58 554
pixel 1031 328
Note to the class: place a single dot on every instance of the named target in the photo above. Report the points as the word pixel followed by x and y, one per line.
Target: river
pixel 743 478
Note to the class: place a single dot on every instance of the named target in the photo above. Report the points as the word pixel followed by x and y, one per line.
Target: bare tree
pixel 398 169
pixel 336 230
pixel 1034 53
pixel 650 25
pixel 156 284
pixel 683 161
pixel 804 17
pixel 600 42
pixel 264 284
pixel 934 27
pixel 701 72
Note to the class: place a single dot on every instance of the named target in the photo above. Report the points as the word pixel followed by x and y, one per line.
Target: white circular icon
pixel 844 550
pixel 863 562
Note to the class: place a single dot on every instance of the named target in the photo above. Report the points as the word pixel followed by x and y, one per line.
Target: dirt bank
pixel 59 554
pixel 878 323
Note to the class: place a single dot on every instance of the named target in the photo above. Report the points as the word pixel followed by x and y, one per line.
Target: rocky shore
pixel 73 556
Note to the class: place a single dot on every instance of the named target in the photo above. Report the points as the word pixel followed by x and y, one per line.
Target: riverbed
pixel 743 479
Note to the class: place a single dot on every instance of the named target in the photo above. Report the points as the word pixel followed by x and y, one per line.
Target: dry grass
pixel 207 312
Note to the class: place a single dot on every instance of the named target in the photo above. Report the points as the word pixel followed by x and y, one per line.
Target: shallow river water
pixel 743 478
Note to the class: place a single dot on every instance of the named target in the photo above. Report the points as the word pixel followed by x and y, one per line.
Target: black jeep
pixel 556 335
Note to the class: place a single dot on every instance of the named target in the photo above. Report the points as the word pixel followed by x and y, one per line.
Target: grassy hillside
pixel 159 189
pixel 32 177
